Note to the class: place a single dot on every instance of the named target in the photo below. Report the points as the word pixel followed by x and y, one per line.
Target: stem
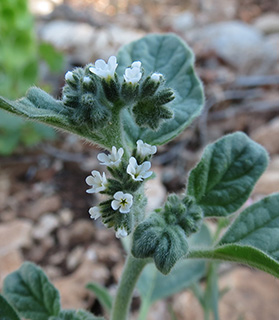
pixel 130 275
pixel 144 308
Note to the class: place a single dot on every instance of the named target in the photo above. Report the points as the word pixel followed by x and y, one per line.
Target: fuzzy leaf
pixel 168 55
pixel 31 294
pixel 252 239
pixel 102 294
pixel 7 312
pixel 153 285
pixel 224 178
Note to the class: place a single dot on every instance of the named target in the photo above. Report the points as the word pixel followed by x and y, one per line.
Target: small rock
pixel 268 23
pixel 186 306
pixel 117 271
pixel 155 191
pixel 81 231
pixel 15 235
pixel 83 42
pixel 46 225
pixel 183 21
pixel 43 205
pixel 74 258
pixel 239 44
pixel 267 135
pixel 39 250
pixel 5 185
pixel 252 295
pixel 53 272
pixel 9 262
pixel 75 284
pixel 159 310
pixel 106 254
pixel 58 257
pixel 268 182
pixel 66 216
pixel 63 236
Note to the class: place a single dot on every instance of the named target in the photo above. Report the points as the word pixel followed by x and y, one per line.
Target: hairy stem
pixel 130 275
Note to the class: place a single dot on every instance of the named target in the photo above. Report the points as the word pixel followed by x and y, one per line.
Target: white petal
pixel 95 213
pixel 115 204
pixel 136 64
pixel 147 174
pixel 102 157
pixel 69 76
pixel 146 166
pixel 121 233
pixel 89 180
pixel 100 64
pixel 118 195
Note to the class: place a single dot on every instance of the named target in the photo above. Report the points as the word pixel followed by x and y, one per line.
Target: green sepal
pixel 226 174
pixel 149 87
pixel 163 235
pixel 149 114
pixel 7 312
pixel 129 92
pixel 111 88
pixel 31 294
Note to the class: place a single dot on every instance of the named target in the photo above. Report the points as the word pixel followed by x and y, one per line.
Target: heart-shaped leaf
pixel 224 178
pixel 252 239
pixel 31 294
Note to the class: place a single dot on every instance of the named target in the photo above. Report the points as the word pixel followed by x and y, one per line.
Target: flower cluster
pixel 94 94
pixel 122 190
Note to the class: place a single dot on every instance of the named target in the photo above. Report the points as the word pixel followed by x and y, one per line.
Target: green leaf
pixel 102 294
pixel 75 315
pixel 224 178
pixel 7 312
pixel 154 286
pixel 253 238
pixel 169 55
pixel 53 58
pixel 31 294
pixel 257 226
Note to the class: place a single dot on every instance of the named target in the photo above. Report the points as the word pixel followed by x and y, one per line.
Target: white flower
pixel 103 69
pixel 95 213
pixel 156 76
pixel 121 233
pixel 145 149
pixel 139 172
pixel 122 201
pixel 133 74
pixel 97 182
pixel 112 159
pixel 69 76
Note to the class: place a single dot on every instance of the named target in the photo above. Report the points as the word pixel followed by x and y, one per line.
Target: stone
pixel 239 44
pixel 66 216
pixel 5 185
pixel 186 306
pixel 15 235
pixel 43 205
pixel 268 23
pixel 268 182
pixel 72 289
pixel 85 43
pixel 183 21
pixel 106 254
pixel 155 190
pixel 9 262
pixel 45 226
pixel 74 258
pixel 81 231
pixel 252 295
pixel 267 135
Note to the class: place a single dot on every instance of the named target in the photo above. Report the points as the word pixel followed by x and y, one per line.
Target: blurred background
pixel 43 204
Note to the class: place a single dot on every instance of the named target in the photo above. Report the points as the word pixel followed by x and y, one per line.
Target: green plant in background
pixel 19 62
pixel 129 105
